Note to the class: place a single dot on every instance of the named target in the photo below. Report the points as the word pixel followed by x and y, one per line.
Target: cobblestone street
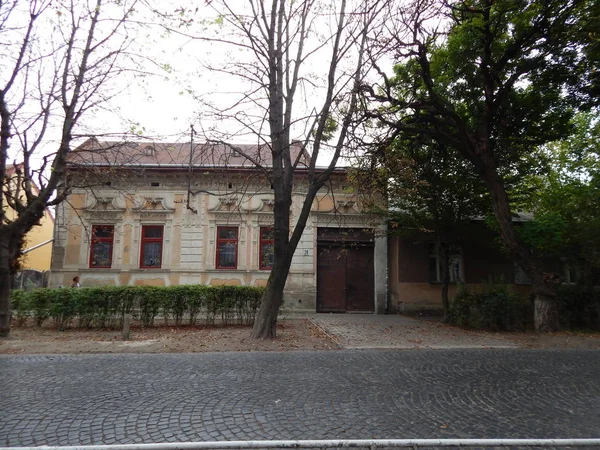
pixel 497 393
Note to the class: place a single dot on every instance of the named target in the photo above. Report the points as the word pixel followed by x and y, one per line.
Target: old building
pixel 476 260
pixel 167 214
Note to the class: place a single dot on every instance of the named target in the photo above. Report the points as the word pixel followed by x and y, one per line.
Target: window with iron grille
pixel 227 247
pixel 152 246
pixel 266 252
pixel 101 248
pixel 455 264
pixel 520 277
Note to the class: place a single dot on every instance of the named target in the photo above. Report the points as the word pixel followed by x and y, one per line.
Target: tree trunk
pixel 5 284
pixel 546 313
pixel 545 288
pixel 445 269
pixel 265 324
pixel 11 244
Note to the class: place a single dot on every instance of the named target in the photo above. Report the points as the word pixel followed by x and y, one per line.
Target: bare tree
pixel 58 62
pixel 276 50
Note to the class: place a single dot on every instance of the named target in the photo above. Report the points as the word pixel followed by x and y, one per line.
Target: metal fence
pixel 30 279
pixel 371 444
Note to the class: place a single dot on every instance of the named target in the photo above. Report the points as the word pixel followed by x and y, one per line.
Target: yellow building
pixel 144 217
pixel 38 242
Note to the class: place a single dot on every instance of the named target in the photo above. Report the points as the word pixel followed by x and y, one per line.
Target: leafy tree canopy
pixel 567 221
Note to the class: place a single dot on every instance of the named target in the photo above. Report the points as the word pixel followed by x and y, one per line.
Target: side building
pixel 141 214
pixel 38 241
pixel 475 260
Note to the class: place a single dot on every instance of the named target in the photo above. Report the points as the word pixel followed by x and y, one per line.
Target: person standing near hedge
pixel 75 283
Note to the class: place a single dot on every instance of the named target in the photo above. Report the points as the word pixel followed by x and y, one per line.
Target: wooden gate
pixel 345 270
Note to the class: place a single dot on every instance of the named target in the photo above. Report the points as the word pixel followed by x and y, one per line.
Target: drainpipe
pixel 36 246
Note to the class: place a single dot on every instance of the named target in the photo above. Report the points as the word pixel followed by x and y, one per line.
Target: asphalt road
pixel 468 393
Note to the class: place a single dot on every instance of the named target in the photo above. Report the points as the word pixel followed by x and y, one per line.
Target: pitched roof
pixel 174 155
pixel 12 168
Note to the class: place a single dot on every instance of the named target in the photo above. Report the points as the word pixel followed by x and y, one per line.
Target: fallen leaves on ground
pixel 293 334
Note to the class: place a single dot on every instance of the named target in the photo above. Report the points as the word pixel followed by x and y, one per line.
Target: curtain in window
pixel 227 251
pixel 151 254
pixel 101 254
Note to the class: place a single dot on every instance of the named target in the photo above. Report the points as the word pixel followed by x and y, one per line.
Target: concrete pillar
pixel 381 260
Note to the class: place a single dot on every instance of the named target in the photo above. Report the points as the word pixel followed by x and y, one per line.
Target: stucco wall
pixel 482 261
pixel 189 245
pixel 39 258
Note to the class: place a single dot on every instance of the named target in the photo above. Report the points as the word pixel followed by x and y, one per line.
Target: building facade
pixel 476 260
pixel 142 215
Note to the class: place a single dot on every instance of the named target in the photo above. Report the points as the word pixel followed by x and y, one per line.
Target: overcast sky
pixel 164 105
pixel 167 103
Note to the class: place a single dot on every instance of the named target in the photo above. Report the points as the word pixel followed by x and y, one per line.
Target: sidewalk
pixel 362 331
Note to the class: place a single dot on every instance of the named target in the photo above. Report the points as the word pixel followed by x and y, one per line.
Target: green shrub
pixel 108 306
pixel 495 309
pixel 62 306
pixel 196 299
pixel 177 303
pixel 460 308
pixel 501 309
pixel 19 306
pixel 38 301
pixel 150 300
pixel 579 307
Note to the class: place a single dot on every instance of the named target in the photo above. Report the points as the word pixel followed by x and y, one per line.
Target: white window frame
pixel 571 274
pixel 519 275
pixel 455 260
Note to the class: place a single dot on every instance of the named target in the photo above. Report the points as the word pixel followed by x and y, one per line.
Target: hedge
pixel 106 307
pixel 500 309
pixel 495 309
pixel 579 307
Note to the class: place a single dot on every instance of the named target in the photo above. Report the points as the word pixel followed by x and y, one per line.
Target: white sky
pixel 162 105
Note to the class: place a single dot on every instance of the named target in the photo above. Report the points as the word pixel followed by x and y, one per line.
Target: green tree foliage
pixel 588 35
pixel 501 79
pixel 430 192
pixel 567 221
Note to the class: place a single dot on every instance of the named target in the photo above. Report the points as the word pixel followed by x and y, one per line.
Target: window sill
pixel 94 270
pixel 150 269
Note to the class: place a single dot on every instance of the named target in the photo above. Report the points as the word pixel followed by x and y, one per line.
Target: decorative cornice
pixel 105 209
pixel 153 206
pixel 340 219
pixel 267 205
pixel 266 219
pixel 160 216
pixel 228 216
pixel 346 206
pixel 104 204
pixel 226 204
pixel 106 216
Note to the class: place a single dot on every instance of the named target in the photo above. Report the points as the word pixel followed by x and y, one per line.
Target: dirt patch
pixel 555 340
pixel 531 339
pixel 292 335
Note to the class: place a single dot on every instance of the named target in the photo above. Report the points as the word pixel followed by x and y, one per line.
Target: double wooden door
pixel 345 278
